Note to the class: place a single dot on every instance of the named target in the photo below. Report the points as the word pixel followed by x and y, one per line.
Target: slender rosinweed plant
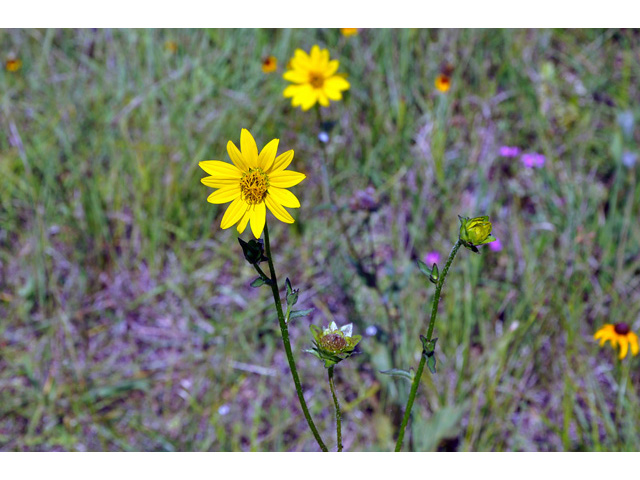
pixel 473 232
pixel 254 182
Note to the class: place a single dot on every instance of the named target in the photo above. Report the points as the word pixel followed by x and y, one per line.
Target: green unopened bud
pixel 253 251
pixel 292 294
pixel 475 231
pixel 333 344
pixel 435 274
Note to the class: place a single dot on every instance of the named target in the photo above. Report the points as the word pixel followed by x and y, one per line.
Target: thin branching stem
pixel 284 329
pixel 423 359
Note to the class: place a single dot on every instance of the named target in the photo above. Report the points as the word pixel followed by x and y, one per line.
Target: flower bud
pixel 253 251
pixel 475 231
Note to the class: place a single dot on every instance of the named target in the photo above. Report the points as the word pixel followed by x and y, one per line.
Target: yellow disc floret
pixel 254 185
pixel 316 79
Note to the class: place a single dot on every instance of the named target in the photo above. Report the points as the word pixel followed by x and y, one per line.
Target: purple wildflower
pixel 509 152
pixel 431 258
pixel 533 160
pixel 495 246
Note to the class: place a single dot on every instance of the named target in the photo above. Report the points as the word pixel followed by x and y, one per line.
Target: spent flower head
pixel 475 231
pixel 333 344
pixel 253 182
pixel 314 79
pixel 618 334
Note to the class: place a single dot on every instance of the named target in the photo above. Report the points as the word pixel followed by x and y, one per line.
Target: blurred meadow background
pixel 126 317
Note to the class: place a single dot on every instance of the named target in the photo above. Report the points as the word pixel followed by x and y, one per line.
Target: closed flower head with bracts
pixel 475 231
pixel 333 344
pixel 252 183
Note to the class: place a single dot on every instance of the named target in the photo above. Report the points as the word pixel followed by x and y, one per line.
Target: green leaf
pixel 258 282
pixel 426 271
pixel 431 363
pixel 397 372
pixel 300 313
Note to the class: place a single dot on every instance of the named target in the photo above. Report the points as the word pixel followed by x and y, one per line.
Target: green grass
pixel 126 317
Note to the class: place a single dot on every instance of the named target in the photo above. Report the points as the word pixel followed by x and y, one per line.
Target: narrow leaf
pixel 300 313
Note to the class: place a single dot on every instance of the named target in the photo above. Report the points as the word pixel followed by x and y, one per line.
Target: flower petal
pixel 336 83
pixel 284 197
pixel 220 169
pixel 234 213
pixel 323 99
pixel 285 178
pixel 217 182
pixel 624 346
pixel 332 67
pixel 309 100
pixel 296 76
pixel 301 58
pixel 224 195
pixel 268 154
pixel 242 225
pixel 258 218
pixel 633 341
pixel 278 211
pixel 236 156
pixel 282 161
pixel 315 55
pixel 249 148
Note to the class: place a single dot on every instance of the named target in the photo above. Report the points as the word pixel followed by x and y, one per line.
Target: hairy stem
pixel 423 359
pixel 338 413
pixel 284 329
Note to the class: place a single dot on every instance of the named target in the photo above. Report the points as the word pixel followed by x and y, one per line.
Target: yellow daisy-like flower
pixel 618 334
pixel 314 78
pixel 349 32
pixel 443 83
pixel 252 183
pixel 269 64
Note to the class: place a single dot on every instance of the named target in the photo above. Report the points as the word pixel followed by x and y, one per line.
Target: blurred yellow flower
pixel 13 64
pixel 269 64
pixel 618 334
pixel 443 83
pixel 252 183
pixel 171 46
pixel 314 78
pixel 349 32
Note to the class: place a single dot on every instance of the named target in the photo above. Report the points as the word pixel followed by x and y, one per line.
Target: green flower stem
pixel 338 414
pixel 423 359
pixel 284 329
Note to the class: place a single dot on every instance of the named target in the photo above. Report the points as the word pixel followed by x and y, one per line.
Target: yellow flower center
pixel 333 342
pixel 621 328
pixel 316 79
pixel 254 185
